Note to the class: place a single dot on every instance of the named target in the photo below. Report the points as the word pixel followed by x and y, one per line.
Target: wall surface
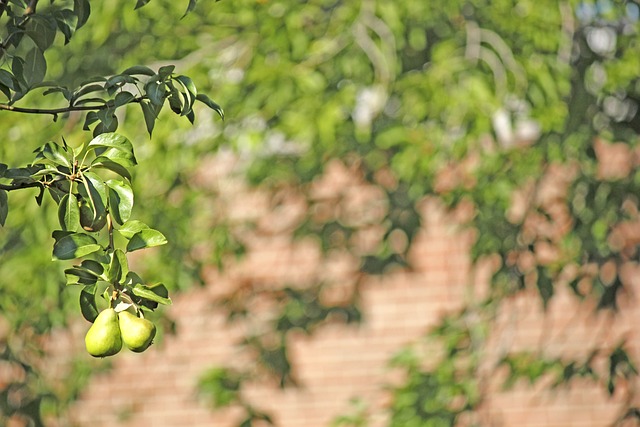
pixel 340 362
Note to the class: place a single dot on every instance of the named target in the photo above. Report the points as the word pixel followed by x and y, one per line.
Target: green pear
pixel 137 333
pixel 103 338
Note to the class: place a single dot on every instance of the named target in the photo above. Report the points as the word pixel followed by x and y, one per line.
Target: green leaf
pixel 139 69
pixel 97 192
pixel 90 88
pixel 82 10
pixel 93 266
pixel 120 200
pixel 155 293
pixel 150 115
pixel 4 207
pixel 96 102
pixel 35 67
pixel 88 305
pixel 114 273
pixel 146 239
pixel 7 79
pixel 112 140
pixel 123 158
pixel 17 68
pixel 74 245
pixel 141 3
pixel 22 174
pixel 155 91
pixel 190 7
pixel 188 85
pixel 58 89
pixel 94 79
pixel 119 267
pixel 91 118
pixel 5 90
pixel 76 276
pixel 54 154
pixel 42 30
pixel 211 104
pixel 158 289
pixel 175 99
pixel 48 170
pixel 189 94
pixel 130 228
pixel 114 166
pixel 166 71
pixel 123 98
pixel 69 213
pixel 66 21
pixel 119 80
pixel 108 120
pixel 87 273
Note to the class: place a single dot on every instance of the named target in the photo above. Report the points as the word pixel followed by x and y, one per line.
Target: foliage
pixel 500 106
pixel 414 90
pixel 90 184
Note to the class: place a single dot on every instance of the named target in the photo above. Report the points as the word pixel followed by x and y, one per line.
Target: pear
pixel 137 333
pixel 103 338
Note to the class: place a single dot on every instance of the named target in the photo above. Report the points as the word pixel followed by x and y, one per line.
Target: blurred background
pixel 416 213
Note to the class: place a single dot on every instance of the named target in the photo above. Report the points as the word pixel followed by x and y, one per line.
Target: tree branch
pixel 52 111
pixel 31 8
pixel 20 185
pixel 55 111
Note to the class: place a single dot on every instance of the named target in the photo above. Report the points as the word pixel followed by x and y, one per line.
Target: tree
pixel 90 183
pixel 415 90
pixel 423 89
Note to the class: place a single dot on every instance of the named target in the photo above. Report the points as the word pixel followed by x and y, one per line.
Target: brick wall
pixel 340 362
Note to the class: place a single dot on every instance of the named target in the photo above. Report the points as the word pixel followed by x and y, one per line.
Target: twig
pixel 20 185
pixel 31 8
pixel 55 111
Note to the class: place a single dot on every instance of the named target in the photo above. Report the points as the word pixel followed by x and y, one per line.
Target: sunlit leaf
pixel 154 294
pixel 146 239
pixel 211 104
pixel 132 227
pixel 74 245
pixel 112 140
pixel 120 200
pixel 69 213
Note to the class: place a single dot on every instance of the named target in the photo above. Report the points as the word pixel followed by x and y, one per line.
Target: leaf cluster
pixel 90 209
